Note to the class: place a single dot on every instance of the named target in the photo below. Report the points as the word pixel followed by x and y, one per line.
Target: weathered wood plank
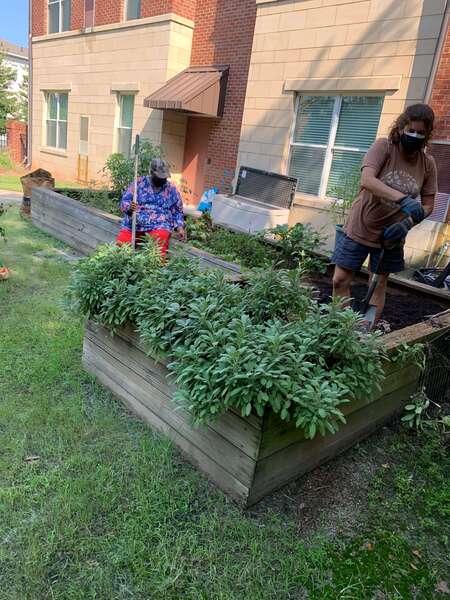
pixel 290 463
pixel 213 470
pixel 63 235
pixel 130 334
pixel 236 429
pixel 221 450
pixel 278 434
pixel 421 332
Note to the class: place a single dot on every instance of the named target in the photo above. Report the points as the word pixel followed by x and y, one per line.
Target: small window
pixel 89 15
pixel 57 111
pixel 84 136
pixel 330 138
pixel 58 15
pixel 125 126
pixel 133 9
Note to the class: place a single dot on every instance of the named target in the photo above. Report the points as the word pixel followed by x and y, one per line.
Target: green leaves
pixel 264 345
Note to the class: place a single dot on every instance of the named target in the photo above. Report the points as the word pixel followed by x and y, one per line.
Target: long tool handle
pixel 373 284
pixel 135 191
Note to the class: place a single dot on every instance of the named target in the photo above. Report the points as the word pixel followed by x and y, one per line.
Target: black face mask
pixel 411 144
pixel 157 182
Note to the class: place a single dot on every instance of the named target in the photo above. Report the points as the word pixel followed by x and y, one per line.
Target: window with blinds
pixel 56 121
pixel 330 138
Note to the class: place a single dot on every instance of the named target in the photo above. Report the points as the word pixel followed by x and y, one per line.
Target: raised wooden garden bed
pixel 247 457
pixel 80 226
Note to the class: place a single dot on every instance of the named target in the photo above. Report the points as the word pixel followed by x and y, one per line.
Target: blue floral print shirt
pixel 156 210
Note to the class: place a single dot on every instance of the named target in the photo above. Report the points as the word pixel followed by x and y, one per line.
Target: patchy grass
pixel 11 183
pixel 93 505
pixel 5 160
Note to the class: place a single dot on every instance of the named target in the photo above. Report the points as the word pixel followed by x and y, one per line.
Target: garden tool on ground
pixel 135 191
pixel 369 311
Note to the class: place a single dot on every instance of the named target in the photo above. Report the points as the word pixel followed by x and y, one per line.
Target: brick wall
pixel 38 17
pixel 17 135
pixel 440 99
pixel 108 11
pixel 183 8
pixel 111 11
pixel 223 35
pixel 77 14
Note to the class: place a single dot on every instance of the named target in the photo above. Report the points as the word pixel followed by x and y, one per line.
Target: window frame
pixel 60 15
pixel 330 146
pixel 119 117
pixel 58 95
pixel 127 4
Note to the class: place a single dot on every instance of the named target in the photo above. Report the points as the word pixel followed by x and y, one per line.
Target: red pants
pixel 163 237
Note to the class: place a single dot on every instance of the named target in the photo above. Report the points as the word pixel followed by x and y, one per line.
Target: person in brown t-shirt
pixel 398 188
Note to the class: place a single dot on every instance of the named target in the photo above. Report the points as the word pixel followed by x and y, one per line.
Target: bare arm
pixel 428 204
pixel 371 183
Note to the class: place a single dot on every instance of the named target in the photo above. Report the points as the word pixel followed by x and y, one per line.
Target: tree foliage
pixel 8 100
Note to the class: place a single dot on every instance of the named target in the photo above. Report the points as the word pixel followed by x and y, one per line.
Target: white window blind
pixel 330 137
pixel 133 9
pixel 58 15
pixel 125 128
pixel 57 114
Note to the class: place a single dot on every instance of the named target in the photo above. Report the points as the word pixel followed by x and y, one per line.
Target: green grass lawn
pixel 11 183
pixel 94 505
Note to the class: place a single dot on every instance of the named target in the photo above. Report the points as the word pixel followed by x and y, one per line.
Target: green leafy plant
pixel 120 169
pixel 299 246
pixel 265 343
pixel 101 198
pixel 103 286
pixel 344 194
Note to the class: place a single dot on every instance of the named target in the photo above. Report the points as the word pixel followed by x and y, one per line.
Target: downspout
pixel 438 54
pixel 29 159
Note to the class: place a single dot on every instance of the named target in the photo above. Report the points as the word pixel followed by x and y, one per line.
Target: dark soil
pixel 403 308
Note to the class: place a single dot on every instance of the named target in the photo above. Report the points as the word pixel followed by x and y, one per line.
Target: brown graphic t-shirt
pixel 416 177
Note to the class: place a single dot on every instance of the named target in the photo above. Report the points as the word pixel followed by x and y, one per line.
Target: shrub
pixel 2 229
pixel 103 286
pixel 120 169
pixel 299 246
pixel 264 344
pixel 102 199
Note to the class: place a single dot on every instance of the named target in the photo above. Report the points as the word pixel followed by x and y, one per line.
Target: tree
pixel 8 100
pixel 21 110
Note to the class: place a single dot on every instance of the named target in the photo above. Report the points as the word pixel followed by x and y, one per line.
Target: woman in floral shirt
pixel 159 208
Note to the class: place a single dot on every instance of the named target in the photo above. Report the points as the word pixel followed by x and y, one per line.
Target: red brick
pixel 77 14
pixel 223 35
pixel 440 99
pixel 17 134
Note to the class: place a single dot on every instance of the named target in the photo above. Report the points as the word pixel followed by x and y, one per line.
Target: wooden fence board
pixel 217 447
pixel 297 459
pixel 213 470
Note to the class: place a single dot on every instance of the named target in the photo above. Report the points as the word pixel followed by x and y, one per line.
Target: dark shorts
pixel 351 255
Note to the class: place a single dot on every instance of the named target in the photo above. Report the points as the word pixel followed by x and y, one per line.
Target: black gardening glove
pixel 413 208
pixel 398 232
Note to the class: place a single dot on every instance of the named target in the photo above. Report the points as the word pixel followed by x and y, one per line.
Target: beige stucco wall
pixel 334 47
pixel 136 58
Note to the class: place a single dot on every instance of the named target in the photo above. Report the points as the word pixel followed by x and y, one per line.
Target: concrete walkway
pixel 9 198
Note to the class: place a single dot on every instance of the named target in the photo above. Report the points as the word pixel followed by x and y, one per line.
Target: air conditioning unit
pixel 262 201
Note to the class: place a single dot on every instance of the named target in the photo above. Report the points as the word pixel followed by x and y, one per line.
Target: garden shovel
pixel 135 191
pixel 369 311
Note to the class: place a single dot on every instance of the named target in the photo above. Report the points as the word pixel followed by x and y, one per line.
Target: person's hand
pixel 398 231
pixel 133 206
pixel 181 233
pixel 413 208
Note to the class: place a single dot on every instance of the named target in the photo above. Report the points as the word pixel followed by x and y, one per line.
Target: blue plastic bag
pixel 207 200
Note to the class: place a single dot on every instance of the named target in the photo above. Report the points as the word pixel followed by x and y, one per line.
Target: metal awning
pixel 197 90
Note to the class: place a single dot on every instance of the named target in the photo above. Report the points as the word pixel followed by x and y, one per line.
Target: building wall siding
pixel 223 36
pixel 91 67
pixel 325 40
